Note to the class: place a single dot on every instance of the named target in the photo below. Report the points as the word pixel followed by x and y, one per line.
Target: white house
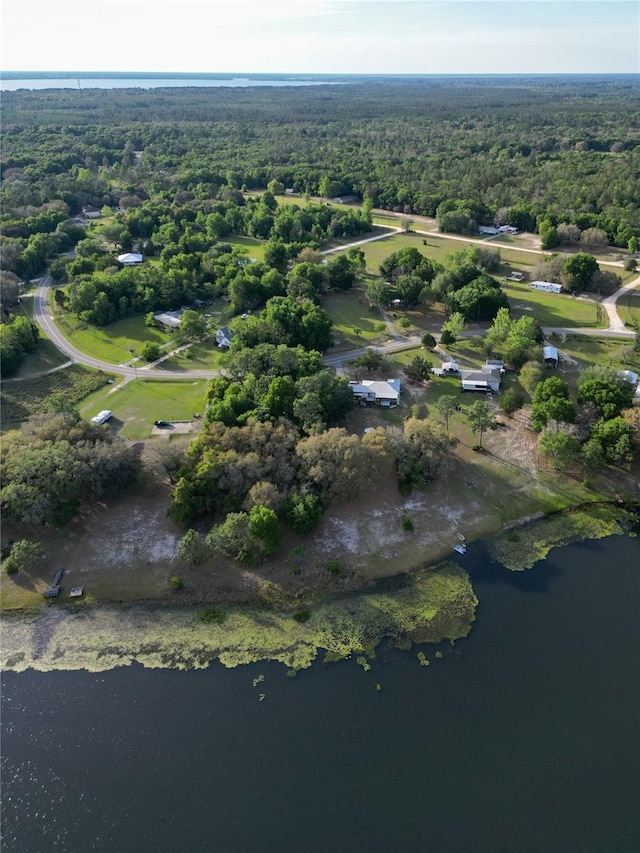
pixel 378 391
pixel 224 336
pixel 90 212
pixel 130 259
pixel 549 286
pixel 170 319
pixel 481 380
pixel 550 356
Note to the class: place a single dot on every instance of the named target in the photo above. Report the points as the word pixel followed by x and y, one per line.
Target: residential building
pixel 549 286
pixel 480 380
pixel 377 391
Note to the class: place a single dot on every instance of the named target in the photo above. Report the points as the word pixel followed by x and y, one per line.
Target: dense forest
pixel 523 150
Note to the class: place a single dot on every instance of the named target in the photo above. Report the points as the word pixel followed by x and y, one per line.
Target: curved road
pixel 42 316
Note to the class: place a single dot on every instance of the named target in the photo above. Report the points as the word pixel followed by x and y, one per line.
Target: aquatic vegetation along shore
pixel 520 548
pixel 431 605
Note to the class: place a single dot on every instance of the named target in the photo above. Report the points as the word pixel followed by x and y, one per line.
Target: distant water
pixel 7 84
pixel 523 738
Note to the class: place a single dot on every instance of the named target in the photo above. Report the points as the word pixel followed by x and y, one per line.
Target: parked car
pixel 161 423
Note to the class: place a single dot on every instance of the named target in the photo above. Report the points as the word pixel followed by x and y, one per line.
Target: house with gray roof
pixel 380 392
pixel 484 379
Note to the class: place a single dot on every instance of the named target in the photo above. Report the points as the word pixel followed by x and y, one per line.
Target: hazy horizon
pixel 336 37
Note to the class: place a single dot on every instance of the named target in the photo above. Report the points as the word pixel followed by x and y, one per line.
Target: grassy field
pixel 553 309
pixel 112 343
pixel 350 311
pixel 629 307
pixel 136 405
pixel 33 396
pixel 581 352
pixel 255 247
pixel 437 248
pixel 204 355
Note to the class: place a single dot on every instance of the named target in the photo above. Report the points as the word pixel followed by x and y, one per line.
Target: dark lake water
pixel 523 737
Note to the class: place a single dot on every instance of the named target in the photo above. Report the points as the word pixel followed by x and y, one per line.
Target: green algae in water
pixel 533 542
pixel 434 604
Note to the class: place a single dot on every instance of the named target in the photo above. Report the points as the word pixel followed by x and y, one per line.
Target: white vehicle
pixel 102 417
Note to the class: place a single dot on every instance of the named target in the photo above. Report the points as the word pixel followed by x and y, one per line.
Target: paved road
pixel 610 305
pixel 42 316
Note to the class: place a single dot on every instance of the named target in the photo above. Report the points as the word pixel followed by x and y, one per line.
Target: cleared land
pixel 112 343
pixel 136 405
pixel 354 323
pixel 64 388
pixel 554 309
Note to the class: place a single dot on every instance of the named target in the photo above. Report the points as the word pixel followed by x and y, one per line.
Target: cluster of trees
pixel 56 463
pixel 463 283
pixel 263 473
pixel 598 429
pixel 576 273
pixel 517 340
pixel 478 147
pixel 18 336
pixel 288 320
pixel 272 381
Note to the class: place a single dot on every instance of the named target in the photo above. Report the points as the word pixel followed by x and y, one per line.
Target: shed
pixel 450 367
pixel 90 212
pixel 481 380
pixel 488 229
pixel 130 259
pixel 550 356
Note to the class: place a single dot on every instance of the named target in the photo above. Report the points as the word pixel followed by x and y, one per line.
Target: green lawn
pixel 553 309
pixel 110 343
pixel 583 352
pixel 437 248
pixel 136 405
pixel 629 307
pixel 625 275
pixel 255 247
pixel 350 311
pixel 201 356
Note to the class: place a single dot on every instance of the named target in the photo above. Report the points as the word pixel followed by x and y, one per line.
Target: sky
pixel 322 36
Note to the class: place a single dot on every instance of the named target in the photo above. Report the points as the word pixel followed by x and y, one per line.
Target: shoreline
pixel 431 604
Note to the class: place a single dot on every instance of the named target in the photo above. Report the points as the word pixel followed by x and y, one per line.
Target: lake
pixel 522 737
pixel 141 81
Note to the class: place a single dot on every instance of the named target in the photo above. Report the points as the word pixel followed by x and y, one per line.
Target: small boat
pixel 461 537
pixel 461 549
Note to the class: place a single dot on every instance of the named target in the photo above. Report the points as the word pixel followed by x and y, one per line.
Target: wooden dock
pixel 54 589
